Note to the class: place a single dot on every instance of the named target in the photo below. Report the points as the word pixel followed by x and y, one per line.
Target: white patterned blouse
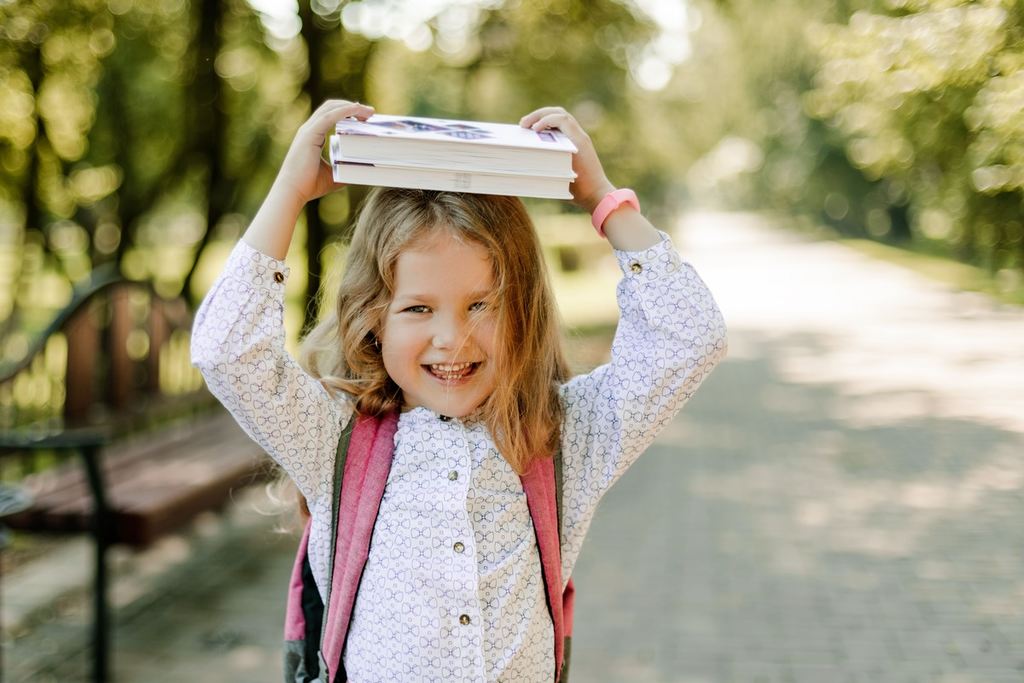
pixel 452 589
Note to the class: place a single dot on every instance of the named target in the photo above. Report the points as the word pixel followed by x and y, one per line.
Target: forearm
pixel 271 229
pixel 626 228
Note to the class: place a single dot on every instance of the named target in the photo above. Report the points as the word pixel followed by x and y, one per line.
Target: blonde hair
pixel 523 412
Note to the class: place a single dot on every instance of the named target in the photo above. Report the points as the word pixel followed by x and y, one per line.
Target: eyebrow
pixel 480 294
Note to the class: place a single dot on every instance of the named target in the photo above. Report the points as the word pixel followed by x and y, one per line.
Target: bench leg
pixel 101 526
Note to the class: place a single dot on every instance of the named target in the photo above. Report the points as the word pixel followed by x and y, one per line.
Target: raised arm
pixel 238 336
pixel 304 175
pixel 671 334
pixel 626 228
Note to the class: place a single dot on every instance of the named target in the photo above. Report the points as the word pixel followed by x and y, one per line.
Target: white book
pixel 517 185
pixel 454 145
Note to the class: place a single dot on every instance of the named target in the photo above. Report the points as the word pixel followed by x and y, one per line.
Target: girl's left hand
pixel 591 183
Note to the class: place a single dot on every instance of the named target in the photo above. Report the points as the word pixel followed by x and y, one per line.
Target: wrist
pixel 611 203
pixel 284 197
pixel 591 201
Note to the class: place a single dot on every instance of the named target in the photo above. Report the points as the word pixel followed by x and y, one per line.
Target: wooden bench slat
pixel 139 527
pixel 176 469
pixel 152 485
pixel 163 481
pixel 68 486
pixel 131 453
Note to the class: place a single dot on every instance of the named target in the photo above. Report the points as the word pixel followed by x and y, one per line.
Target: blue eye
pixel 416 309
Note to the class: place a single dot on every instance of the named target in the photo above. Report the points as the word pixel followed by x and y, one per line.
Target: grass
pixel 946 271
pixel 1006 287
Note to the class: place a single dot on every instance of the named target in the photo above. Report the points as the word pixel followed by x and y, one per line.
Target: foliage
pixel 127 129
pixel 136 134
pixel 738 101
pixel 927 95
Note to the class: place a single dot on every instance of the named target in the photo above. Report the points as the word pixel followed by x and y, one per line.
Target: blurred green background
pixel 141 135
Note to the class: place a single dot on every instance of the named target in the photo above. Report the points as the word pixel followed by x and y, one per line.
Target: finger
pixel 341 110
pixel 329 104
pixel 334 103
pixel 562 121
pixel 320 124
pixel 333 111
pixel 325 180
pixel 534 116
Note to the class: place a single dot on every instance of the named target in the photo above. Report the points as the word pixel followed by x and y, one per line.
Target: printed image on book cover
pixel 419 128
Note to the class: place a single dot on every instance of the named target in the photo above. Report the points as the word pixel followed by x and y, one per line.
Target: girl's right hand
pixel 305 174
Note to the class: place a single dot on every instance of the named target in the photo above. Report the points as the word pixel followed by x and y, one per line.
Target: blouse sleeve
pixel 238 345
pixel 670 335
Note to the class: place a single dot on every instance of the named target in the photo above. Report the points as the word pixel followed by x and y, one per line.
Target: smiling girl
pixel 445 323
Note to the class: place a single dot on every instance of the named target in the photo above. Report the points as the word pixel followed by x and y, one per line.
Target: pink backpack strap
pixel 366 472
pixel 294 619
pixel 539 485
pixel 568 603
pixel 304 611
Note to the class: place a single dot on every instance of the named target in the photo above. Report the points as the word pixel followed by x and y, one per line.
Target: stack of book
pixel 461 156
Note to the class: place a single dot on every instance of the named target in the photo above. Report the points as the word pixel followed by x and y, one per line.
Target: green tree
pixel 927 95
pixel 136 134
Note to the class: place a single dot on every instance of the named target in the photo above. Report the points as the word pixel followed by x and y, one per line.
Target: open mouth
pixel 452 373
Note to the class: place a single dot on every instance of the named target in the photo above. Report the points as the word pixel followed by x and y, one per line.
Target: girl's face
pixel 438 339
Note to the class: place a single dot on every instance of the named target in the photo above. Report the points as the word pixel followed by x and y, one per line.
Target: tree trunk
pixel 314 88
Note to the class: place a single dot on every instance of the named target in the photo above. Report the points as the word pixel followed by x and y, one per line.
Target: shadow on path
pixel 767 536
pixel 215 614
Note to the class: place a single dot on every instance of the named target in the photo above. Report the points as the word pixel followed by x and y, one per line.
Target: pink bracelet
pixel 612 201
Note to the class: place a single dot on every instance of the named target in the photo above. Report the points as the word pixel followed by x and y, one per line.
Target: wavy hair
pixel 523 413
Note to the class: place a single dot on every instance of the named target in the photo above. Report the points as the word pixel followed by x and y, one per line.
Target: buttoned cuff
pixel 251 265
pixel 652 263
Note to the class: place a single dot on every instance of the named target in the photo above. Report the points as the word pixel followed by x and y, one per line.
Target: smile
pixel 451 373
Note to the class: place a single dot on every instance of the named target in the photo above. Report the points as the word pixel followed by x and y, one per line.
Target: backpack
pixel 314 640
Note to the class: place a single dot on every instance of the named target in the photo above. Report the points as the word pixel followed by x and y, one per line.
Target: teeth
pixel 457 367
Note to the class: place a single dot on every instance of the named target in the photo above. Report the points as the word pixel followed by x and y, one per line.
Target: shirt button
pixel 635 267
pixel 464 619
pixel 453 475
pixel 445 418
pixel 459 547
pixel 278 277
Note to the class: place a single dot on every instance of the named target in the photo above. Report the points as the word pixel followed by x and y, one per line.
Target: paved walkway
pixel 840 503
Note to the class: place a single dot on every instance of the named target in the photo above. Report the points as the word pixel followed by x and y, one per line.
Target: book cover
pixel 475 133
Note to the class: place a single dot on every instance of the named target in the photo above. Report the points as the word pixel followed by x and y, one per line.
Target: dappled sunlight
pixel 881 402
pixel 800 537
pixel 826 508
pixel 851 527
pixel 900 351
pixel 841 501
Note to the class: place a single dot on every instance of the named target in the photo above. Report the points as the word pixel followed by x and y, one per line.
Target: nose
pixel 448 332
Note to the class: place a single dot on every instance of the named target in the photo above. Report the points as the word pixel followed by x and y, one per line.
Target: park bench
pixel 109 379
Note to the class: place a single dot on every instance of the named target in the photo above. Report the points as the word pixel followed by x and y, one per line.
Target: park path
pixel 841 502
